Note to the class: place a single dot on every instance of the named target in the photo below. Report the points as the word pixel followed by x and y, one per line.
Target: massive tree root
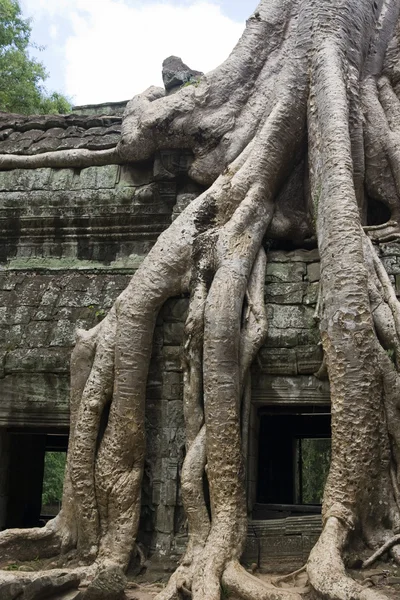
pixel 297 136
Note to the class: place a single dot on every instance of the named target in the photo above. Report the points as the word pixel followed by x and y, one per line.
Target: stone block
pixel 163 545
pixel 282 338
pixel 391 264
pixel 173 333
pixel 292 316
pixel 285 293
pixel 251 551
pixel 18 180
pixel 63 333
pixel 313 272
pixel 41 179
pixel 86 179
pixel 8 298
pixel 278 361
pixel 106 176
pixel 156 492
pixel 79 282
pixel 294 256
pixel 280 546
pixel 10 590
pixel 175 414
pixel 170 492
pixel 3 316
pixel 72 299
pixel 51 295
pixel 158 344
pixel 16 314
pixel 6 180
pixel 180 543
pixel 11 336
pixel 61 179
pixel 389 249
pixel 172 358
pixel 165 519
pixel 285 272
pixel 37 333
pixel 309 359
pixel 309 337
pixel 10 279
pixel 273 389
pixel 34 360
pixel 133 176
pixel 175 309
pixel 31 292
pixel 311 294
pixel 172 386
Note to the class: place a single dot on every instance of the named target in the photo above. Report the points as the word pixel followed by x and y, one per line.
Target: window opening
pixel 293 460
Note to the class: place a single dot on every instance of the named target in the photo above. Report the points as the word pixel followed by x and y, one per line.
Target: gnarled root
pixel 28 544
pixel 326 570
pixel 34 586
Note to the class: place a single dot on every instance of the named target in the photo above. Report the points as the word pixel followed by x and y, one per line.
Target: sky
pixel 109 50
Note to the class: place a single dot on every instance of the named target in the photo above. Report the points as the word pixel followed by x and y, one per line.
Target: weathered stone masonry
pixel 71 239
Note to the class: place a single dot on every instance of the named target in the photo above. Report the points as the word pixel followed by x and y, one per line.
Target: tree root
pixel 325 567
pixel 288 576
pixel 387 232
pixel 241 583
pixel 27 544
pixel 386 546
pixel 38 585
pixel 61 159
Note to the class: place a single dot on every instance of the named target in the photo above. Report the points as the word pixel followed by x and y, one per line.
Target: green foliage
pixel 21 76
pixel 316 459
pixel 392 355
pixel 53 479
pixel 53 104
pixel 224 592
pixel 100 314
pixel 193 81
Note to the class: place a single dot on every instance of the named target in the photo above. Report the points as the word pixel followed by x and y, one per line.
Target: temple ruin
pixel 71 239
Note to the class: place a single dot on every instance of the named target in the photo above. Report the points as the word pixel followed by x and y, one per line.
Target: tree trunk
pixel 310 94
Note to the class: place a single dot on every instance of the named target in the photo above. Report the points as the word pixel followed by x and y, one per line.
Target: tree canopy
pixel 22 76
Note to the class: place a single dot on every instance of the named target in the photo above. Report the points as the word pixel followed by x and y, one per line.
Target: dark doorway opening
pixel 27 453
pixel 293 460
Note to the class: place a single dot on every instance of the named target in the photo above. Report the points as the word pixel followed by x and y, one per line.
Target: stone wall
pixel 39 312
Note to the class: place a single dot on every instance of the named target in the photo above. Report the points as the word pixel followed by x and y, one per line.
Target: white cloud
pixel 114 49
pixel 53 31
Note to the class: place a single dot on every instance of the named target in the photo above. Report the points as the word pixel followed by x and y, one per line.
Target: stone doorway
pixel 293 458
pixel 23 485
